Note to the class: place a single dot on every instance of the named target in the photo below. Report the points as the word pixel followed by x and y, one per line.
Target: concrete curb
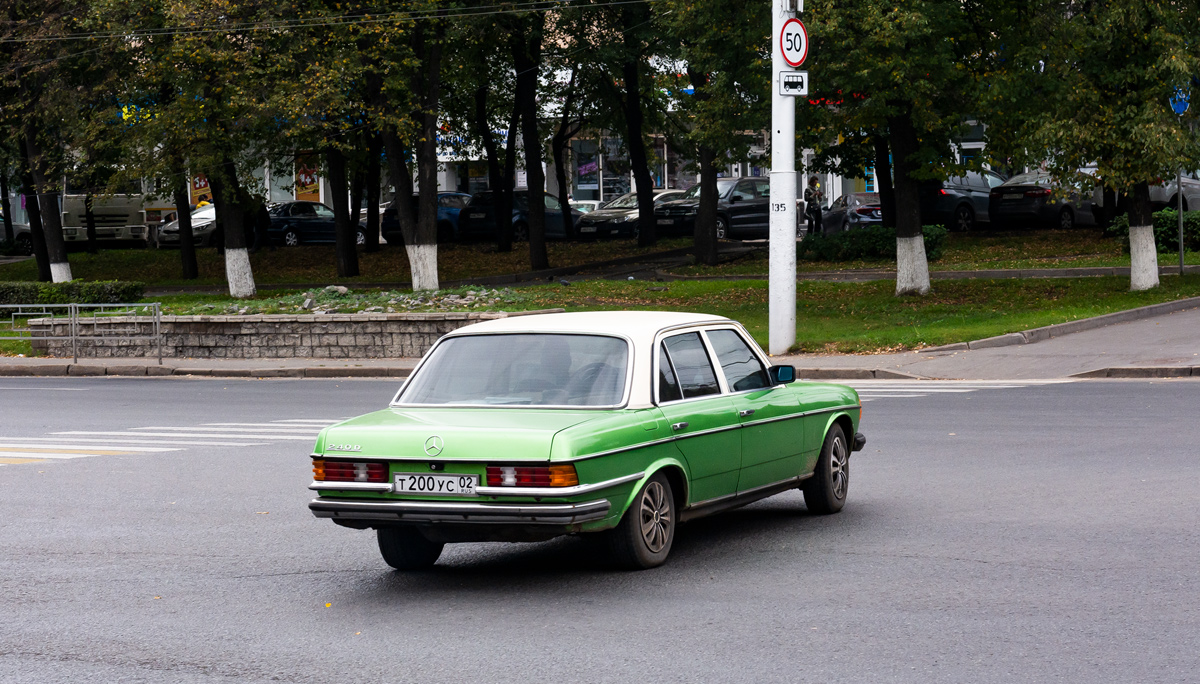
pixel 91 370
pixel 1059 329
pixel 871 274
pixel 1142 372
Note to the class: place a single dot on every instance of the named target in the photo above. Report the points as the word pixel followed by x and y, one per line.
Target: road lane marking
pixel 75 449
pixel 238 431
pixel 55 456
pixel 114 433
pixel 43 389
pixel 18 461
pixel 124 442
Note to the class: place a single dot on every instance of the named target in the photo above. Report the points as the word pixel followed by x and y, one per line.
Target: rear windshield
pixel 522 369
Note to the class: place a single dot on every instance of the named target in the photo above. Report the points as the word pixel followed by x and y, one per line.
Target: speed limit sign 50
pixel 793 39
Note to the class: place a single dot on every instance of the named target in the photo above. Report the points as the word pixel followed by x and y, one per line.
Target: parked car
pixel 1166 195
pixel 614 423
pixel 619 218
pixel 1034 198
pixel 960 203
pixel 305 223
pixel 741 209
pixel 478 219
pixel 852 210
pixel 204 224
pixel 450 205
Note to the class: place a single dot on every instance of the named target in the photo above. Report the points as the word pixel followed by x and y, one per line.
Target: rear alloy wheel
pixel 404 548
pixel 722 228
pixel 360 238
pixel 964 218
pixel 1066 219
pixel 520 233
pixel 290 238
pixel 825 492
pixel 645 534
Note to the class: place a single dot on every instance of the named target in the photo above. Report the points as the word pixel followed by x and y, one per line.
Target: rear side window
pixel 743 371
pixel 302 209
pixel 693 368
pixel 323 211
pixel 668 386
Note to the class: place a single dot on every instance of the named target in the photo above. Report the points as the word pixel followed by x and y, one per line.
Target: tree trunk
pixel 89 219
pixel 372 192
pixel 644 183
pixel 504 200
pixel 398 169
pixel 706 213
pixel 422 244
pixel 227 194
pixel 183 213
pixel 1143 254
pixel 37 240
pixel 345 243
pixel 527 57
pixel 6 207
pixel 56 247
pixel 912 268
pixel 883 178
pixel 558 147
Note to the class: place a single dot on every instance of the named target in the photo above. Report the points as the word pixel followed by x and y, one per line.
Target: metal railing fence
pixel 89 323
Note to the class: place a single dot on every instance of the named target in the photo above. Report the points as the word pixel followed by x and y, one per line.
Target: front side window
pixel 744 191
pixel 522 369
pixel 743 371
pixel 692 367
pixel 763 188
pixel 302 209
pixel 552 203
pixel 323 211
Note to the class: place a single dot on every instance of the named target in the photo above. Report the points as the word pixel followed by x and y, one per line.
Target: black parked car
pixel 852 210
pixel 1031 199
pixel 304 223
pixel 742 210
pixel 960 203
pixel 619 218
pixel 478 219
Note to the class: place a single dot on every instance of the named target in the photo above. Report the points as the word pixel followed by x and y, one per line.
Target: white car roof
pixel 639 327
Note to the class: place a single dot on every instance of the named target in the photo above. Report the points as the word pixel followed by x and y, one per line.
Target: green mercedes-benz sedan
pixel 621 423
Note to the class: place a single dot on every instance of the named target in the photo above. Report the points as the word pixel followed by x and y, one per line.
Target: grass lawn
pixel 831 317
pixel 978 250
pixel 315 264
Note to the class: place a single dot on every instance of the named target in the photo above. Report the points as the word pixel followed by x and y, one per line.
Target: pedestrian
pixel 812 205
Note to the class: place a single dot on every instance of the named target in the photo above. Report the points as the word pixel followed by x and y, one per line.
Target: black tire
pixel 825 492
pixel 445 232
pixel 23 245
pixel 845 225
pixel 645 534
pixel 722 228
pixel 520 232
pixel 1066 219
pixel 964 219
pixel 404 548
pixel 290 238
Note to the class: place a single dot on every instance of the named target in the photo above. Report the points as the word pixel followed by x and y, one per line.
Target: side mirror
pixel 734 198
pixel 782 375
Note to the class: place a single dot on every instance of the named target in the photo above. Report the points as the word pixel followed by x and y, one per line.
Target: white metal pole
pixel 782 270
pixel 1179 195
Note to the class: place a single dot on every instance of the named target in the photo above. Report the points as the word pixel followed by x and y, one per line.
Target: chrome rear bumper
pixel 460 512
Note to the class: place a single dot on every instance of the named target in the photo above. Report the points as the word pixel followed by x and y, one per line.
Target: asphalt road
pixel 1027 533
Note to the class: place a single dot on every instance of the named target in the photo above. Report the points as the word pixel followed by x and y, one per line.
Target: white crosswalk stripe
pixel 869 390
pixel 148 440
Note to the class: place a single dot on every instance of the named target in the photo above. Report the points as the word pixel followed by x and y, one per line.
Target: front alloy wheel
pixel 291 239
pixel 825 492
pixel 645 534
pixel 722 228
pixel 964 218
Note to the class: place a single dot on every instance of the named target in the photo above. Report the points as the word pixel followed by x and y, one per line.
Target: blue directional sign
pixel 1179 101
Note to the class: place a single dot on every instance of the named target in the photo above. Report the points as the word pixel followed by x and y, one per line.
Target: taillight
pixel 866 211
pixel 1038 192
pixel 942 191
pixel 532 476
pixel 349 471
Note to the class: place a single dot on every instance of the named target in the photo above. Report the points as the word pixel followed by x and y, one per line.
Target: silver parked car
pixel 204 224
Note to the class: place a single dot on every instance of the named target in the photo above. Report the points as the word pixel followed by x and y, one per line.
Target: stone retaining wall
pixel 318 336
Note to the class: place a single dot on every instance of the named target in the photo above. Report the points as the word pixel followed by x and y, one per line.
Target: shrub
pixel 1166 230
pixel 871 242
pixel 73 292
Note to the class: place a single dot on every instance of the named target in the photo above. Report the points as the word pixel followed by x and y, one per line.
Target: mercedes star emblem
pixel 434 445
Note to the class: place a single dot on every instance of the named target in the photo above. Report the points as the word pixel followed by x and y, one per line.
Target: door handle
pixel 747 412
pixel 678 426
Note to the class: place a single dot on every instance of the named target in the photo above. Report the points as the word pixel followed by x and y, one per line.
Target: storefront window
pixel 615 169
pixel 586 178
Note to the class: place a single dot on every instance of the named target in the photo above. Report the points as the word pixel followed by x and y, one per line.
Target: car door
pixel 702 419
pixel 759 218
pixel 301 219
pixel 323 229
pixel 741 207
pixel 772 434
pixel 554 217
pixel 832 221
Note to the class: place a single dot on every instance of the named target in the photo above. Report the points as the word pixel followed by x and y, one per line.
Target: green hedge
pixel 1166 230
pixel 73 292
pixel 869 243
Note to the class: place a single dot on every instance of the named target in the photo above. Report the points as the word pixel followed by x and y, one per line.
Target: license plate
pixel 1007 197
pixel 587 229
pixel 665 222
pixel 478 215
pixel 425 483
